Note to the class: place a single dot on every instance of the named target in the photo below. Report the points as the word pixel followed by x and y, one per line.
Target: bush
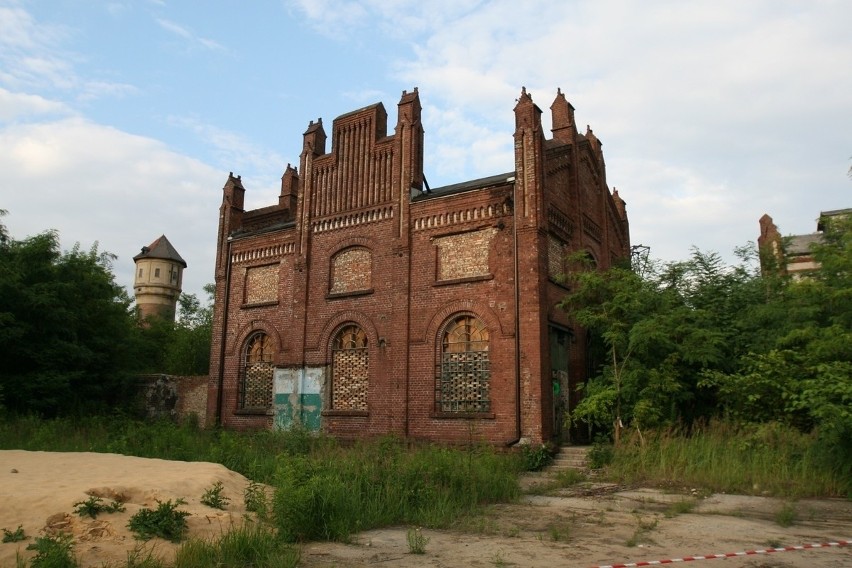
pixel 165 521
pixel 536 458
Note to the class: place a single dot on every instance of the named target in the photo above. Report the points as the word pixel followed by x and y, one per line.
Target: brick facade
pixel 389 307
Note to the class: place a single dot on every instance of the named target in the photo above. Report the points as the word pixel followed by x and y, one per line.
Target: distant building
pixel 366 303
pixel 792 254
pixel 158 280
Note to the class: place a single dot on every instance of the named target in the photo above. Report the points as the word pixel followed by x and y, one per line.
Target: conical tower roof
pixel 160 248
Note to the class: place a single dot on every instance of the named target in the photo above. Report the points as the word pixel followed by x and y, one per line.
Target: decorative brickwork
pixel 262 284
pixel 351 270
pixel 392 307
pixel 464 255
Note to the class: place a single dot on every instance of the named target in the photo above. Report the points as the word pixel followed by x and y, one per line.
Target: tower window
pixel 156 273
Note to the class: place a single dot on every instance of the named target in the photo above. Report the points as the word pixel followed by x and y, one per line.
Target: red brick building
pixel 365 303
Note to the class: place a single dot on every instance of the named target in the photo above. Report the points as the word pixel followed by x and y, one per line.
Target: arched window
pixel 464 384
pixel 349 369
pixel 256 373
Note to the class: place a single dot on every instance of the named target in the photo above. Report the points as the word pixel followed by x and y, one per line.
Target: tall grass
pixel 251 453
pixel 321 490
pixel 764 459
pixel 331 494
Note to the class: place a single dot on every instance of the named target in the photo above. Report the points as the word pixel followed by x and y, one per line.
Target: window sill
pixel 464 415
pixel 254 412
pixel 464 280
pixel 335 295
pixel 345 413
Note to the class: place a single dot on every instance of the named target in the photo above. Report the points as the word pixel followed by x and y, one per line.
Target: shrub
pixel 166 521
pixel 93 506
pixel 538 457
pixel 53 552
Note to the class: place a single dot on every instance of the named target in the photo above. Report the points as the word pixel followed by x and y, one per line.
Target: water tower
pixel 159 276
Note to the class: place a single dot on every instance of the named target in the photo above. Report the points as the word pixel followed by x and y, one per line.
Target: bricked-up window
pixel 350 369
pixel 256 373
pixel 351 270
pixel 464 384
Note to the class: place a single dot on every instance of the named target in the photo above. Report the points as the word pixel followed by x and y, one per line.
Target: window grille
pixel 256 384
pixel 350 369
pixel 464 384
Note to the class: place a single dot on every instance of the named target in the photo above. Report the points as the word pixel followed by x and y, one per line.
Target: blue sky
pixel 120 120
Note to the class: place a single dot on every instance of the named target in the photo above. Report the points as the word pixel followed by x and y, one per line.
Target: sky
pixel 120 120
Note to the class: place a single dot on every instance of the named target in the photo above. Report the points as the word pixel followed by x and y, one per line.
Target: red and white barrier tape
pixel 729 554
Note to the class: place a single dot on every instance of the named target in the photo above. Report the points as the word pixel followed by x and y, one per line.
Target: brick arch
pixel 472 307
pixel 323 345
pixel 251 327
pixel 348 242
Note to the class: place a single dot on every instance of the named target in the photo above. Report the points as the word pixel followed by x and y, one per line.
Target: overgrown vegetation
pixel 77 341
pixel 687 343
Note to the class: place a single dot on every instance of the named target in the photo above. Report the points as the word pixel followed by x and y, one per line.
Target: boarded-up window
pixel 256 374
pixel 351 270
pixel 262 284
pixel 350 369
pixel 464 384
pixel 464 255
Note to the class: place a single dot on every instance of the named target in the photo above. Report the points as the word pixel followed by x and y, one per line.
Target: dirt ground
pixel 589 525
pixel 598 524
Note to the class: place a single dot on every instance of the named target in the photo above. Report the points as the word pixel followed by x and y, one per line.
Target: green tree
pixel 64 325
pixel 179 347
pixel 661 332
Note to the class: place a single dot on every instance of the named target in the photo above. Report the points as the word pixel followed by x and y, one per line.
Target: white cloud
pixel 121 190
pixel 22 105
pixel 188 35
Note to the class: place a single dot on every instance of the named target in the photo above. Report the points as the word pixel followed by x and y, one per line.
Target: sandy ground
pixel 589 525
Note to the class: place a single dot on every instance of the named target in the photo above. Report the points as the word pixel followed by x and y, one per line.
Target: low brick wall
pixel 174 397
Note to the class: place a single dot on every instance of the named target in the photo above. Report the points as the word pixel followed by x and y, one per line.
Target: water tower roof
pixel 160 248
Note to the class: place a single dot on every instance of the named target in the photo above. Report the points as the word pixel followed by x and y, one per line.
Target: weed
pixel 93 506
pixel 213 497
pixel 498 560
pixel 773 543
pixel 256 499
pixel 786 516
pixel 137 558
pixel 250 545
pixel 559 533
pixel 512 532
pixel 166 521
pixel 641 531
pixel 536 458
pixel 14 536
pixel 53 552
pixel 416 541
pixel 600 455
pixel 569 477
pixel 679 508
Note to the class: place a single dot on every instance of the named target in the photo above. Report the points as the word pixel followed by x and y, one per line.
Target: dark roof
pixel 160 248
pixel 466 186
